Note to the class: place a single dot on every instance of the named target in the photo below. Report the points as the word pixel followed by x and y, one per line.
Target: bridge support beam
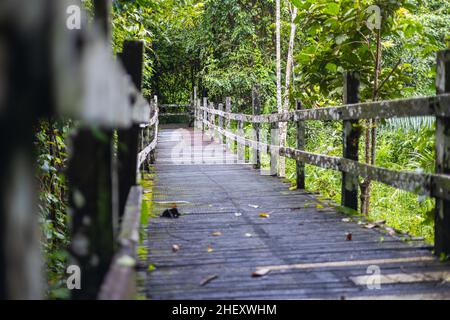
pixel 442 214
pixel 351 134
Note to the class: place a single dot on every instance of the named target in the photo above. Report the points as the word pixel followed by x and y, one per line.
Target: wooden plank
pixel 345 264
pixel 394 278
pixel 350 138
pixel 442 214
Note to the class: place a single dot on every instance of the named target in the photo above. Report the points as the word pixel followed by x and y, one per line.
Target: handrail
pixel 419 183
pixel 435 185
pixel 410 107
pixel 120 282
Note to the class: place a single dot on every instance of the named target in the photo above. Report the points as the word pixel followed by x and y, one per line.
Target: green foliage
pixel 52 159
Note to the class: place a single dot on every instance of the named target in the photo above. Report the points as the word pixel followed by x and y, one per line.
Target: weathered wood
pixel 442 215
pixel 220 122
pixel 300 167
pixel 155 128
pixel 419 183
pixel 205 112
pixel 350 138
pixel 90 200
pixel 227 121
pixel 240 146
pixel 212 120
pixel 25 95
pixel 175 106
pixel 102 11
pixel 409 107
pixel 274 141
pixel 256 108
pixel 128 142
pixel 303 244
pixel 120 281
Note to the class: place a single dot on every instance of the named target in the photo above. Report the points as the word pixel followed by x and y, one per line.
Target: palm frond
pixel 409 124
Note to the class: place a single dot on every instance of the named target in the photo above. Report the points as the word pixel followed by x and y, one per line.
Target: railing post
pixel 220 123
pixel 212 121
pixel 25 96
pixel 228 121
pixel 205 113
pixel 300 166
pixel 154 130
pixel 90 200
pixel 240 147
pixel 194 107
pixel 274 141
pixel 256 106
pixel 128 144
pixel 351 133
pixel 442 211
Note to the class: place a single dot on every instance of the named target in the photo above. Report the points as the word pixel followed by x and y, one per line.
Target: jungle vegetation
pixel 226 47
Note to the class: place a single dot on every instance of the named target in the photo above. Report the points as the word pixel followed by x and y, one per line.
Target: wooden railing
pixel 434 185
pixel 170 111
pixel 50 70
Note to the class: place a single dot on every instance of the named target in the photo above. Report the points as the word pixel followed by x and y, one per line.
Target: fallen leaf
pixel 260 272
pixel 264 215
pixel 253 206
pixel 370 226
pixel 175 248
pixel 346 220
pixel 217 234
pixel 208 279
pixel 210 249
pixel 248 235
pixel 349 236
pixel 238 214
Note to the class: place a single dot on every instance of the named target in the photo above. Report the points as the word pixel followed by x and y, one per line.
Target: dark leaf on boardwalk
pixel 349 237
pixel 175 248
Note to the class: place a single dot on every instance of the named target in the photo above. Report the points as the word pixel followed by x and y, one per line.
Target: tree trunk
pixel 289 65
pixel 282 166
pixel 370 134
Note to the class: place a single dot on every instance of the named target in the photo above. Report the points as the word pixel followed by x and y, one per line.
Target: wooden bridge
pixel 242 232
pixel 237 224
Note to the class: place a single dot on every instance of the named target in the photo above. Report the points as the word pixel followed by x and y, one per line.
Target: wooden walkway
pixel 223 238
